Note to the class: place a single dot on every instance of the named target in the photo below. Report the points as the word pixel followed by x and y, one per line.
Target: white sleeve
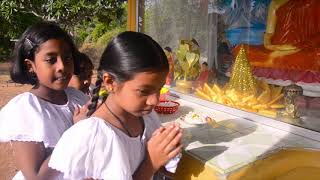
pixel 88 151
pixel 24 119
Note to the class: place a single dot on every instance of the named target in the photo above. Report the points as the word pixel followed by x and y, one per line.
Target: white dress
pixel 31 119
pixel 93 148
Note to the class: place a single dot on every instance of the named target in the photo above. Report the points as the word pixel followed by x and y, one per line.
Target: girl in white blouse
pixel 34 121
pixel 123 139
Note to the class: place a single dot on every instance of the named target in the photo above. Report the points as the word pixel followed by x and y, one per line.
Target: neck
pixel 54 96
pixel 118 111
pixel 110 112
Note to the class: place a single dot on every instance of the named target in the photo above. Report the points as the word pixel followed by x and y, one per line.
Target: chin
pixel 60 88
pixel 146 112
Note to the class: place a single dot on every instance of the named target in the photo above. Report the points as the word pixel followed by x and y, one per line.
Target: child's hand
pixel 164 145
pixel 80 113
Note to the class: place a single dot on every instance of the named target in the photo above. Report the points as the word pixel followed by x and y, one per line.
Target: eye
pixel 51 60
pixel 68 58
pixel 143 92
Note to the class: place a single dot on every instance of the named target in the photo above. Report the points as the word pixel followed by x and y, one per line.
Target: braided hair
pixel 95 95
pixel 127 54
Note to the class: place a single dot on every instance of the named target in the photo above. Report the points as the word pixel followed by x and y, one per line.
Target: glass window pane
pixel 262 56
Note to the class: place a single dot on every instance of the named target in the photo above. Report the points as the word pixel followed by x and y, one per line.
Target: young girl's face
pixel 139 95
pixel 53 64
pixel 82 81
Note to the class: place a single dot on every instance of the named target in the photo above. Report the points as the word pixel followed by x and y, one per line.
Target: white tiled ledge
pixel 234 142
pixel 251 116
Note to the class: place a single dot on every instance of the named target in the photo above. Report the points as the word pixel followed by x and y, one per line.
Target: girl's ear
pixel 108 82
pixel 30 65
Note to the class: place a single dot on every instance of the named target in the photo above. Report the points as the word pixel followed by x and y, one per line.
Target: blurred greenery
pixel 86 21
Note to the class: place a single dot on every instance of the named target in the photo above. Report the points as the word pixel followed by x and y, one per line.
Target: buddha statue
pixel 291 48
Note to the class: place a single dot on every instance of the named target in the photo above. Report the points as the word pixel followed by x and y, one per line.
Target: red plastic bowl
pixel 167 109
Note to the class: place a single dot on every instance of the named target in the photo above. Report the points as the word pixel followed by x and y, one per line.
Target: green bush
pixel 98 31
pixel 105 38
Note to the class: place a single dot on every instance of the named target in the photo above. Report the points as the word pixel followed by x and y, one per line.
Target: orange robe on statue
pixel 298 24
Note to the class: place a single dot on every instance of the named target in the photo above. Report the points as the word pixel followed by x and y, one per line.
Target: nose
pixel 60 64
pixel 153 99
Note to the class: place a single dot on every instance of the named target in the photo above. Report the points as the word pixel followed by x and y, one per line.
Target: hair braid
pixel 95 96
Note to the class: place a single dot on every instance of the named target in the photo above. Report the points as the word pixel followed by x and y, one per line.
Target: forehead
pixel 54 45
pixel 148 79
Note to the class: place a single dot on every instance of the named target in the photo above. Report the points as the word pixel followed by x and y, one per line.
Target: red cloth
pixel 298 24
pixel 202 78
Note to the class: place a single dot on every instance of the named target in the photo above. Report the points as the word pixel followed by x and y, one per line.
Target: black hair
pixel 27 47
pixel 83 59
pixel 127 54
pixel 168 49
pixel 205 63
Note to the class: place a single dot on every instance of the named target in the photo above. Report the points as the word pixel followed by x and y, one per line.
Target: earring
pixel 110 89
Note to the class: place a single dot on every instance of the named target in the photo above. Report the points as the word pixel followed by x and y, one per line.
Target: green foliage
pixel 99 30
pixel 67 13
pixel 104 40
pixel 82 18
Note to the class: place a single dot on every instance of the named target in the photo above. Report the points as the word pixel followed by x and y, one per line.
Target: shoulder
pixel 29 118
pixel 79 151
pixel 21 107
pixel 84 131
pixel 20 117
pixel 76 96
pixel 25 98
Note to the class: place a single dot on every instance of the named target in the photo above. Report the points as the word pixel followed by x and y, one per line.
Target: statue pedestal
pixel 184 86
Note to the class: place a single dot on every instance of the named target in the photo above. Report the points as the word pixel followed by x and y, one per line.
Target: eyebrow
pixel 145 86
pixel 148 86
pixel 51 53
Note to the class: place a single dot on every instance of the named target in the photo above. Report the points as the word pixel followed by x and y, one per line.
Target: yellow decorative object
pixel 267 103
pixel 164 90
pixel 276 99
pixel 244 91
pixel 103 92
pixel 183 86
pixel 188 57
pixel 275 92
pixel 286 164
pixel 277 106
pixel 202 95
pixel 270 113
pixel 242 79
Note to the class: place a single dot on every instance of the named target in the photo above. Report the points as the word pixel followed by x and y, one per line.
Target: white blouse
pixel 29 118
pixel 93 148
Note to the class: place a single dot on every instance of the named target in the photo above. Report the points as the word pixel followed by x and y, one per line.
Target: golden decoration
pixel 245 92
pixel 242 79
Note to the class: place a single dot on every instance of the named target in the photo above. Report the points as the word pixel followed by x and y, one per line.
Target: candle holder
pixel 291 93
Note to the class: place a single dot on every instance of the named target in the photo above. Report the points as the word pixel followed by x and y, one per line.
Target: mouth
pixel 147 110
pixel 61 78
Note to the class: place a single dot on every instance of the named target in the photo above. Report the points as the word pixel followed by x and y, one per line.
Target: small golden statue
pixel 291 93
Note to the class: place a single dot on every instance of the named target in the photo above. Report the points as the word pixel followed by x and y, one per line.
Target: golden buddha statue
pixel 291 39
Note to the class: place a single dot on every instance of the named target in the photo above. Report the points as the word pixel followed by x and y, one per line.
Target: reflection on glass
pixel 247 52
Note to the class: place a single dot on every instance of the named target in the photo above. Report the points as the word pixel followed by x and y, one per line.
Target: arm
pixel 163 146
pixel 271 26
pixel 31 159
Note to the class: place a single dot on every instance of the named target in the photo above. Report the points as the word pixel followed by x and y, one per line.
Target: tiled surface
pixel 233 142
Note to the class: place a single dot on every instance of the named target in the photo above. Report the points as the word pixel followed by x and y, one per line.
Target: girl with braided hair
pixel 123 139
